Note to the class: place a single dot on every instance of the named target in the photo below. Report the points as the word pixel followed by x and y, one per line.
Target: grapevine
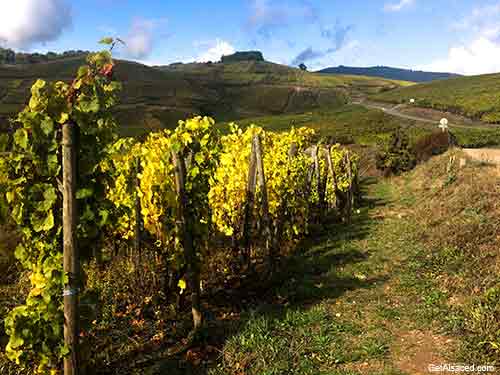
pixel 35 199
pixel 216 179
pixel 286 177
pixel 340 181
pixel 196 141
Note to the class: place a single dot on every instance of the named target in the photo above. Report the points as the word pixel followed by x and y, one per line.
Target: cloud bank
pixel 24 23
pixel 139 42
pixel 216 51
pixel 479 55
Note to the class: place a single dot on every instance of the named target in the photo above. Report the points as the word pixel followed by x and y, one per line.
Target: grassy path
pixel 353 303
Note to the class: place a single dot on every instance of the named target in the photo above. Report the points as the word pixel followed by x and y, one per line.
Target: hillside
pixel 348 124
pixel 11 57
pixel 390 73
pixel 365 125
pixel 156 97
pixel 265 72
pixel 477 97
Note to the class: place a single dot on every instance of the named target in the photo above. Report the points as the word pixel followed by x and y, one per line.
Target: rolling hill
pixel 476 97
pixel 155 97
pixel 390 73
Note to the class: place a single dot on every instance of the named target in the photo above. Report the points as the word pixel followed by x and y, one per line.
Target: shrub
pixel 432 144
pixel 396 156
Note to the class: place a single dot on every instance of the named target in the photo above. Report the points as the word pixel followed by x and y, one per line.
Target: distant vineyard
pixel 476 97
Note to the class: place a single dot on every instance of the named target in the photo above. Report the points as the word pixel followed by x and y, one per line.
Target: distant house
pixel 243 56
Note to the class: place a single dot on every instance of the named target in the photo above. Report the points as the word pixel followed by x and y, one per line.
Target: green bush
pixel 396 156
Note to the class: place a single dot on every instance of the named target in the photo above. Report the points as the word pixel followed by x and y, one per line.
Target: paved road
pixel 393 111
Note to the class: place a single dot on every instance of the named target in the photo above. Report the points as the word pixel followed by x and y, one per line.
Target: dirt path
pixel 353 304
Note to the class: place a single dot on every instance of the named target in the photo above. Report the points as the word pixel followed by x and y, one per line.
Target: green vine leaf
pixel 47 126
pixel 84 193
pixel 21 138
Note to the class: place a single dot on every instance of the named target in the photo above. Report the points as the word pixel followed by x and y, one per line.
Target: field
pixel 477 97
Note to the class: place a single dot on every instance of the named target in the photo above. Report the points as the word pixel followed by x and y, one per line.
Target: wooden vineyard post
pixel 331 171
pixel 316 167
pixel 137 208
pixel 71 264
pixel 278 225
pixel 350 195
pixel 261 180
pixel 324 181
pixel 317 175
pixel 185 223
pixel 249 202
pixel 293 150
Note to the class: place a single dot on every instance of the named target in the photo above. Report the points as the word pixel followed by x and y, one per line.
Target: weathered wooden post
pixel 350 195
pixel 278 224
pixel 71 263
pixel 185 223
pixel 316 167
pixel 137 208
pixel 317 175
pixel 331 171
pixel 249 202
pixel 261 179
pixel 323 181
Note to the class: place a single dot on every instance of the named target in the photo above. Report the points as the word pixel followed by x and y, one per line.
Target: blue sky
pixel 440 35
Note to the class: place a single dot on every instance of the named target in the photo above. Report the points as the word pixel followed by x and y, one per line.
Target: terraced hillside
pixel 348 124
pixel 267 73
pixel 477 97
pixel 156 97
pixel 144 89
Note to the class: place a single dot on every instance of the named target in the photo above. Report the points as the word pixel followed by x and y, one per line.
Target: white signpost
pixel 443 124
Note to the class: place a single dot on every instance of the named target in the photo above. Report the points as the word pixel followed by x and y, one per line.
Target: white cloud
pixel 480 19
pixel 480 53
pixel 24 23
pixel 216 51
pixel 141 37
pixel 481 56
pixel 396 7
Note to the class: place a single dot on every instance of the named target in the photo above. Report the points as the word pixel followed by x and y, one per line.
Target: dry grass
pixel 458 212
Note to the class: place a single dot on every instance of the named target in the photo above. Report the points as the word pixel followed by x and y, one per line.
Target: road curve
pixel 393 111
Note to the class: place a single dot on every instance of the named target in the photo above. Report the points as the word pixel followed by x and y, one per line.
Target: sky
pixel 437 35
